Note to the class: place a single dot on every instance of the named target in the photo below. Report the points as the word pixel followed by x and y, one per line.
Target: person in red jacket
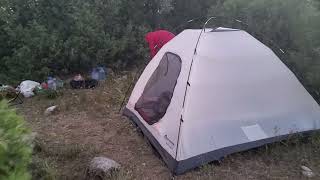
pixel 157 39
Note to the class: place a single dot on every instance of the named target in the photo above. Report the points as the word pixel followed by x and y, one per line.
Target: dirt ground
pixel 88 124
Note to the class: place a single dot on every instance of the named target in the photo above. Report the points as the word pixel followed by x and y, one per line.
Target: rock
pixel 307 172
pixel 50 110
pixel 101 167
pixel 305 168
pixel 125 77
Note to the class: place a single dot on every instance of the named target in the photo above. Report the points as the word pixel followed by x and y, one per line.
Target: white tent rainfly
pixel 201 99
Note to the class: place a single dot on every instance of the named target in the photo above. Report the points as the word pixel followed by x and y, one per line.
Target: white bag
pixel 27 87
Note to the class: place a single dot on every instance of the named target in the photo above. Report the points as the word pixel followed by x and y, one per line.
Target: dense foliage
pixel 42 37
pixel 39 37
pixel 15 145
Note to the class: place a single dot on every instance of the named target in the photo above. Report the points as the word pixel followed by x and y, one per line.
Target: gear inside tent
pixel 199 100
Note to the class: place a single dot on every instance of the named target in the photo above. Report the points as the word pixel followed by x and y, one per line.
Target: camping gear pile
pixel 97 74
pixel 78 82
pixel 52 84
pixel 7 91
pixel 51 88
pixel 11 94
pixel 213 92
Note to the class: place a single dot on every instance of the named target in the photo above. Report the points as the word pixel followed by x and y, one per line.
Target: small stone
pixel 50 110
pixel 307 172
pixel 125 77
pixel 305 168
pixel 102 167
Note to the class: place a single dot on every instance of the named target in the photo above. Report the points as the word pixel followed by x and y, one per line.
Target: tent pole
pixel 138 73
pixel 177 148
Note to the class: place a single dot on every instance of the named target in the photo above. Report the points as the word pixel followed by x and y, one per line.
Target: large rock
pixel 101 167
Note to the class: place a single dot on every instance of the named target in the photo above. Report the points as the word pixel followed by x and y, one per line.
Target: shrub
pixel 15 145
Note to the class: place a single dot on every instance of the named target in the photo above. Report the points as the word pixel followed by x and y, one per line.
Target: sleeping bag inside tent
pixel 230 94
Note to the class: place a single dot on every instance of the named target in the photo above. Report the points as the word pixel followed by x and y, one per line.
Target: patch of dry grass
pixel 282 160
pixel 48 156
pixel 64 151
pixel 88 124
pixel 42 169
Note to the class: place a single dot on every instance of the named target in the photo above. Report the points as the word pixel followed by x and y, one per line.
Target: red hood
pixel 158 39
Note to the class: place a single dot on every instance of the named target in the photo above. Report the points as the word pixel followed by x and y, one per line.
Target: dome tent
pixel 230 93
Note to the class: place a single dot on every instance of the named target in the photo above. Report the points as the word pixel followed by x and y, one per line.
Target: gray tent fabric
pixel 236 95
